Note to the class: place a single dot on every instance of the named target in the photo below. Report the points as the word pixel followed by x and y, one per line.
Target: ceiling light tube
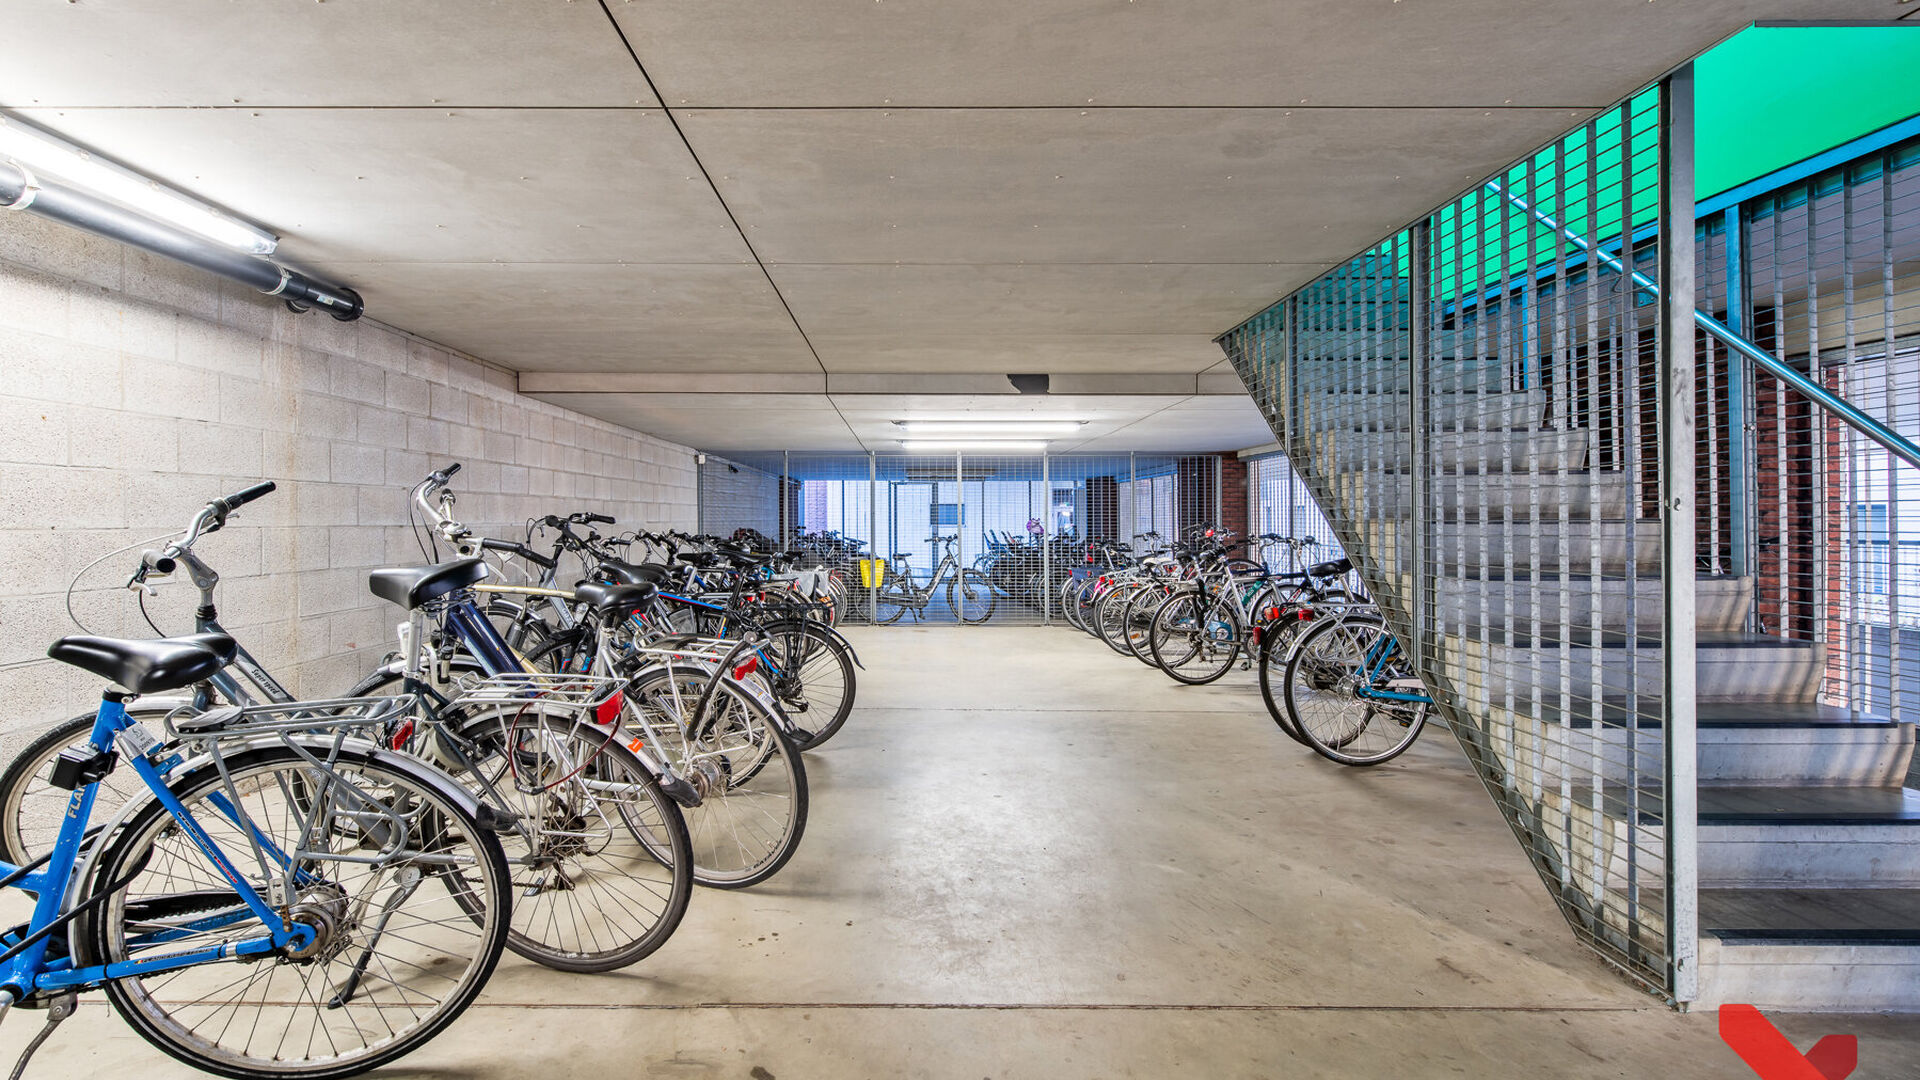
pixel 48 154
pixel 969 428
pixel 1024 446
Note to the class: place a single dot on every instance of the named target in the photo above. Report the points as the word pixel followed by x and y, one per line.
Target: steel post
pixel 1678 450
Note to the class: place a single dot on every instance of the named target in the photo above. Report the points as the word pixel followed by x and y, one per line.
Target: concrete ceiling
pixel 847 211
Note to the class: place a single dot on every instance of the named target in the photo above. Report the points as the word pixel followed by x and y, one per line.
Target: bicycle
pixel 362 896
pixel 480 715
pixel 968 592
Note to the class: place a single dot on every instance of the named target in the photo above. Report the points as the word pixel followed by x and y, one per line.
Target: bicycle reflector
pixel 746 668
pixel 608 711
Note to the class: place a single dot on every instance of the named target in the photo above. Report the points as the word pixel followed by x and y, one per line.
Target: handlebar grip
pixel 450 470
pixel 244 496
pixel 495 544
pixel 155 561
pixel 599 518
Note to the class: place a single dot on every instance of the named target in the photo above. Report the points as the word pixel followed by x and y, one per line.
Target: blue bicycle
pixel 285 900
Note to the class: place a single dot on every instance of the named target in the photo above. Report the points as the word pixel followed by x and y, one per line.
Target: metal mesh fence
pixel 1475 404
pixel 1825 273
pixel 968 538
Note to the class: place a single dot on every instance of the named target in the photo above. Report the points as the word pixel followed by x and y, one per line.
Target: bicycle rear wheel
pixel 1111 617
pixel 816 680
pixel 602 866
pixel 1276 648
pixel 1333 663
pixel 751 780
pixel 405 890
pixel 1196 645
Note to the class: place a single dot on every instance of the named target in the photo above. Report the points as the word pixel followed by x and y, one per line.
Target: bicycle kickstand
pixel 57 1010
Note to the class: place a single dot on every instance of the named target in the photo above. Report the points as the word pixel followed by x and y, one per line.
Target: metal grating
pixel 1021 520
pixel 1476 405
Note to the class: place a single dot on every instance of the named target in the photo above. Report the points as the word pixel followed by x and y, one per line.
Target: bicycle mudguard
pixel 837 636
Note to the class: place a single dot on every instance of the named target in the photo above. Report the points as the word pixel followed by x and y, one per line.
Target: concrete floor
pixel 1028 857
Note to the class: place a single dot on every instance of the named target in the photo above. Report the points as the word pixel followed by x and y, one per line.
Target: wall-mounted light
pixel 989 428
pixel 42 152
pixel 1024 446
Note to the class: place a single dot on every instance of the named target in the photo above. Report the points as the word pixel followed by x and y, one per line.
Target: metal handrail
pixel 1894 443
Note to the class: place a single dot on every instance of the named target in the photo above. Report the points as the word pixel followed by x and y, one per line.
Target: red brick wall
pixel 1233 496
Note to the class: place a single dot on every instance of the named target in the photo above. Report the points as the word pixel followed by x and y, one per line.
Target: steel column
pixel 1417 348
pixel 1046 541
pixel 1678 451
pixel 873 532
pixel 1740 419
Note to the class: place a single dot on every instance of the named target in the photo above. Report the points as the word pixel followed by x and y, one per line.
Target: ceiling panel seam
pixel 721 199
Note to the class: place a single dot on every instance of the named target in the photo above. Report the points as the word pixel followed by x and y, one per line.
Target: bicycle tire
pixel 1275 651
pixel 479 927
pixel 1111 617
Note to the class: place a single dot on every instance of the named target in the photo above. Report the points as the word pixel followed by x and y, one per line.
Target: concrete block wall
pixel 133 390
pixel 735 496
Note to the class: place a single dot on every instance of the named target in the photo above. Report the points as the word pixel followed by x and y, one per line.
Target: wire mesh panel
pixel 1279 503
pixel 1474 403
pixel 1826 274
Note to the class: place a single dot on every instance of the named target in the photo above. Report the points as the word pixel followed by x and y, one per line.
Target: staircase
pixel 1481 403
pixel 1809 842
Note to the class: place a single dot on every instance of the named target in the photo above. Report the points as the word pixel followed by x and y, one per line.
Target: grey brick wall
pixel 735 496
pixel 133 390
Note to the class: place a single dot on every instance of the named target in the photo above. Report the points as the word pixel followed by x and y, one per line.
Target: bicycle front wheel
pixel 31 808
pixel 971 597
pixel 815 683
pixel 405 892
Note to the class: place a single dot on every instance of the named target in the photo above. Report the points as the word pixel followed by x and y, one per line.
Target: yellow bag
pixel 873 573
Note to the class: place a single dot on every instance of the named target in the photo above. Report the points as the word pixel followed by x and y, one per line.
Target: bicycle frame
pixel 29 970
pixel 1379 653
pixel 922 597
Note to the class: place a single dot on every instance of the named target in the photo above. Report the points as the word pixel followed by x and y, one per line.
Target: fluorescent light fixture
pixel 1002 428
pixel 42 152
pixel 1027 446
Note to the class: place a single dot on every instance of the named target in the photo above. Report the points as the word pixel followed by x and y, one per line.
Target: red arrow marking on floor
pixel 1768 1053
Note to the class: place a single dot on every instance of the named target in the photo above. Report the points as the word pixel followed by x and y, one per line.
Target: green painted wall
pixel 1770 97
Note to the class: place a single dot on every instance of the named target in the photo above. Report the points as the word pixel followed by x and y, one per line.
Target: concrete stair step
pixel 1481 547
pixel 1833 949
pixel 1523 673
pixel 1773 837
pixel 1576 600
pixel 1458 453
pixel 1533 497
pixel 1736 744
pixel 1810 974
pixel 1382 409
